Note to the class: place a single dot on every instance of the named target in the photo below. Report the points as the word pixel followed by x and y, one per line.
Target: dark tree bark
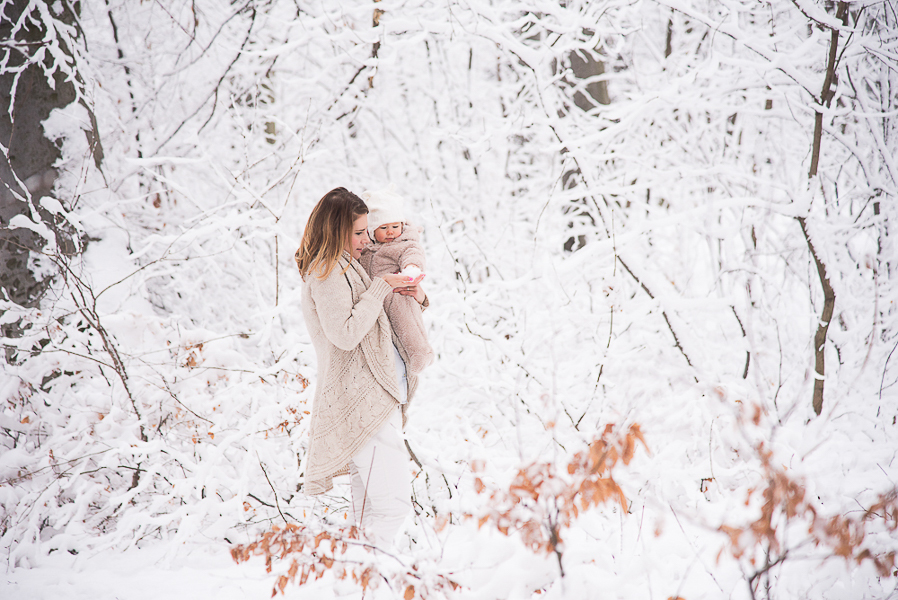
pixel 26 167
pixel 829 296
pixel 584 66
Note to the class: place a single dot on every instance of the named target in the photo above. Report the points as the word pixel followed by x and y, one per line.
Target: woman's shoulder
pixel 318 278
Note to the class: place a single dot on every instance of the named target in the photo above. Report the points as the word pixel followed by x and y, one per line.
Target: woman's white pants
pixel 381 486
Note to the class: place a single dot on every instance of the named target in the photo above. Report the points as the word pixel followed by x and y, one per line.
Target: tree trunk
pixel 583 66
pixel 829 303
pixel 26 163
pixel 829 296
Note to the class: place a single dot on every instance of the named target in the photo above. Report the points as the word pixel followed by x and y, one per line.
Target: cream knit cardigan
pixel 357 388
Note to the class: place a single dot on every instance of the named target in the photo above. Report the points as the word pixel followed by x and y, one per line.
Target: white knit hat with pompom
pixel 384 206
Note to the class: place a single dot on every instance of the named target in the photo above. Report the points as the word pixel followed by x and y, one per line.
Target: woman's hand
pixel 402 284
pixel 415 291
pixel 395 280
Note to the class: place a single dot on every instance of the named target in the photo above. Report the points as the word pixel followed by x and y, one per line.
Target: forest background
pixel 661 263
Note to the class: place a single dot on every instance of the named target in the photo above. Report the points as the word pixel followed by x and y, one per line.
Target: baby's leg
pixel 405 317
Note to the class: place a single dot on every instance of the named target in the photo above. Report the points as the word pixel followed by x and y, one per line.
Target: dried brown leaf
pixel 629 449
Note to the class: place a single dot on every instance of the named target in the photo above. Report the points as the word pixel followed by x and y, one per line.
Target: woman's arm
pixel 345 324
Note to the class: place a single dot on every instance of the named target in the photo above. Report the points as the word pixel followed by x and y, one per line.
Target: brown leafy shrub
pixel 540 503
pixel 785 502
pixel 342 552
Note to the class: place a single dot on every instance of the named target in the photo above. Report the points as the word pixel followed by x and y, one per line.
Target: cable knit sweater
pixel 356 390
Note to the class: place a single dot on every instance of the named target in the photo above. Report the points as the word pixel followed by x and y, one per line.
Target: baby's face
pixel 387 232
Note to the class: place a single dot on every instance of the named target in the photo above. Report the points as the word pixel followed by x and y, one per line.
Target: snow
pixel 164 423
pixel 411 271
pixel 182 571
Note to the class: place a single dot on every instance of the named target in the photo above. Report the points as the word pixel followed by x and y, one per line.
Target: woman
pixel 356 417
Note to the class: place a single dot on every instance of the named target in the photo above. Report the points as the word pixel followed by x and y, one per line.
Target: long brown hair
pixel 327 232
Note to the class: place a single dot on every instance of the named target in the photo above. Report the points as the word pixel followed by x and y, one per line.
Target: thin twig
pixel 272 491
pixel 260 501
pixel 29 474
pixel 663 313
pixel 412 454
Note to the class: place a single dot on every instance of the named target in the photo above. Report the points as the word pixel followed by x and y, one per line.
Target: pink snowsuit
pixel 404 311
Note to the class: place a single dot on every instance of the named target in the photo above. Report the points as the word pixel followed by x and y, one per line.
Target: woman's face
pixel 358 237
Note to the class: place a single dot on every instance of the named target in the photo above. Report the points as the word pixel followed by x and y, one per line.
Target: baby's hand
pixel 411 271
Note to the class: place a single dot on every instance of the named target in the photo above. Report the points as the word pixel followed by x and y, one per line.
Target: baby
pixel 395 248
